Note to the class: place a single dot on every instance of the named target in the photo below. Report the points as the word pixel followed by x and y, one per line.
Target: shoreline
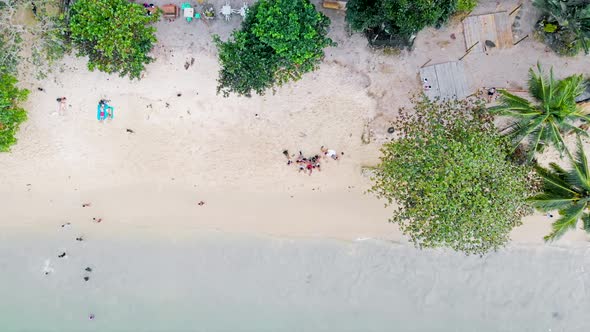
pixel 168 210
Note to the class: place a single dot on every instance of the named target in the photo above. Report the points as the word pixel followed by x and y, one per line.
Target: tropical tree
pixel 395 22
pixel 279 41
pixel 115 35
pixel 565 25
pixel 553 113
pixel 450 176
pixel 566 191
pixel 11 114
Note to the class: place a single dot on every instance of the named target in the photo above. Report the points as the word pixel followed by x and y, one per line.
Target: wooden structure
pixel 445 81
pixel 335 4
pixel 493 27
pixel 170 11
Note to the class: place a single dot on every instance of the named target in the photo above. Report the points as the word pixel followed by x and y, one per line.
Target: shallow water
pixel 221 282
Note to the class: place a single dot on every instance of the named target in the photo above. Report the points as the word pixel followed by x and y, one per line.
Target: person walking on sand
pixel 286 153
pixel 329 153
pixel 491 94
pixel 62 105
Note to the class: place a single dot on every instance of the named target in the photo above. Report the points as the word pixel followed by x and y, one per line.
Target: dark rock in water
pixel 490 43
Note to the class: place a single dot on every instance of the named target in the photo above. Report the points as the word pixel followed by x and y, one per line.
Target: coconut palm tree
pixel 566 191
pixel 553 113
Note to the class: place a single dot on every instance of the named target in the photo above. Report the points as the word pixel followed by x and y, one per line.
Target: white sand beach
pixel 190 145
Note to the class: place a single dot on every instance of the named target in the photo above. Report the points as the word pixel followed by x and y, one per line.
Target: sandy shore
pixel 188 144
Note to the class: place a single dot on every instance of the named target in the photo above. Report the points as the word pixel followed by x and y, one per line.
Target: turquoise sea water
pixel 220 282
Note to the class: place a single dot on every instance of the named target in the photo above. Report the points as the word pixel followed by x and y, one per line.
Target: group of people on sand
pixel 309 164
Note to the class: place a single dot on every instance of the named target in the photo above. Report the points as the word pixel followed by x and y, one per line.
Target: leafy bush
pixel 9 51
pixel 466 5
pixel 114 34
pixel 448 172
pixel 11 115
pixel 279 41
pixel 564 25
pixel 396 20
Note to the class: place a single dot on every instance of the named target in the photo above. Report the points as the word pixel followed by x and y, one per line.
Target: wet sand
pixel 225 282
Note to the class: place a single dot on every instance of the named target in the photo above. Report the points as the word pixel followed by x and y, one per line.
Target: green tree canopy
pixel 397 19
pixel 115 35
pixel 451 178
pixel 11 114
pixel 566 191
pixel 553 113
pixel 279 41
pixel 565 25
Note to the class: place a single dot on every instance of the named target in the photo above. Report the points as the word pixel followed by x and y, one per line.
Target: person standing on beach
pixel 62 105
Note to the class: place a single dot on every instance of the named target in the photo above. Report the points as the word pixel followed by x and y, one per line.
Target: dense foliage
pixel 544 121
pixel 565 25
pixel 115 35
pixel 466 5
pixel 449 174
pixel 11 114
pixel 396 20
pixel 279 40
pixel 9 52
pixel 568 192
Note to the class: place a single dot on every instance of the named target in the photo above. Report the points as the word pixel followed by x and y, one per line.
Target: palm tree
pixel 552 115
pixel 566 191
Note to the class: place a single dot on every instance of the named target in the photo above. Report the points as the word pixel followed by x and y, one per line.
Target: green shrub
pixel 279 41
pixel 115 35
pixel 10 45
pixel 396 21
pixel 466 5
pixel 11 115
pixel 451 178
pixel 564 25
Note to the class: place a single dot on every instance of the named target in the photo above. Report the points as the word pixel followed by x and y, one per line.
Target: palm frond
pixel 536 143
pixel 586 222
pixel 568 128
pixel 569 219
pixel 537 83
pixel 580 175
pixel 513 105
pixel 566 92
pixel 555 138
pixel 548 202
pixel 555 181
